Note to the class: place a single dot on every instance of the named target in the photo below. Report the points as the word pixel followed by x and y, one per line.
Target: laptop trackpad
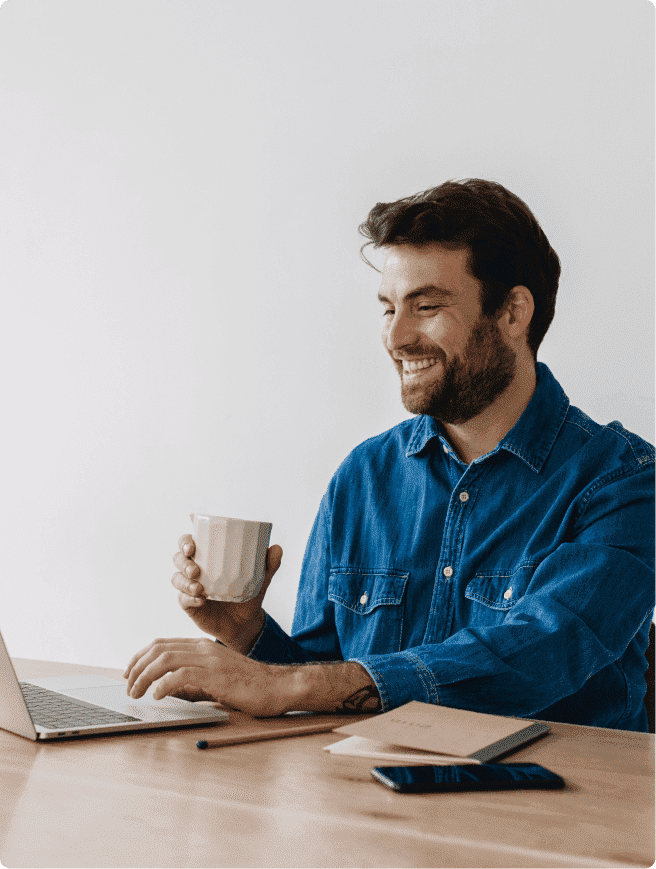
pixel 115 697
pixel 112 694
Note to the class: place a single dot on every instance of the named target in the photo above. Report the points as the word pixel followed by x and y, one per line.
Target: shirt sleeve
pixel 314 637
pixel 584 603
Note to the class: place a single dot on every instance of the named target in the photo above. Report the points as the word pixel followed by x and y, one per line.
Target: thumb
pixel 273 559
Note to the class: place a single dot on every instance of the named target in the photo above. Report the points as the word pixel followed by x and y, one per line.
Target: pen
pixel 265 734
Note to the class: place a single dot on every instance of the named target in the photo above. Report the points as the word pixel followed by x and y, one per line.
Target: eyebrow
pixel 426 290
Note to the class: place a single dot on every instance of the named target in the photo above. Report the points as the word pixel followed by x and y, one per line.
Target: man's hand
pixel 201 669
pixel 235 624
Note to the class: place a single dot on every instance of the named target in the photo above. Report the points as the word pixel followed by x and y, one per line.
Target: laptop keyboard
pixel 50 709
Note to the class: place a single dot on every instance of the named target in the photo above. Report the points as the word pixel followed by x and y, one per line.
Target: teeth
pixel 417 366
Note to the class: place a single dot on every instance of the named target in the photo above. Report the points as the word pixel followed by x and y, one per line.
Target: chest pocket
pixel 498 591
pixel 368 609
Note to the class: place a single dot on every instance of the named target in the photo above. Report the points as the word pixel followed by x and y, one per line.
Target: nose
pixel 399 331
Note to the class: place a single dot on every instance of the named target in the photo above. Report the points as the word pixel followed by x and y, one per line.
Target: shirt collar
pixel 532 436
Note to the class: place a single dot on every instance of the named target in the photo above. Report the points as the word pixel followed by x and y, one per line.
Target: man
pixel 493 553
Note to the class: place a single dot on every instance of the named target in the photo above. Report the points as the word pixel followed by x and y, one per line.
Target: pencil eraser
pixel 201 744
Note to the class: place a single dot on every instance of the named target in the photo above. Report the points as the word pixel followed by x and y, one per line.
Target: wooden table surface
pixel 153 799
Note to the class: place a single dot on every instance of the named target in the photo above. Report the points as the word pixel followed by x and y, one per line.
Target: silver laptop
pixel 87 704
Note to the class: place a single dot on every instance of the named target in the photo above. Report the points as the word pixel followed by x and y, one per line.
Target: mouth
pixel 414 369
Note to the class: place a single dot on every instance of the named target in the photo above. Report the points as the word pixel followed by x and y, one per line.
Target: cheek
pixel 444 334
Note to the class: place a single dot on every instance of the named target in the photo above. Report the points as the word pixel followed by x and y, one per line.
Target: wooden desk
pixel 153 799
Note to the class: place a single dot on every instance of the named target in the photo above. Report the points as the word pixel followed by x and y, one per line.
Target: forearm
pixel 342 686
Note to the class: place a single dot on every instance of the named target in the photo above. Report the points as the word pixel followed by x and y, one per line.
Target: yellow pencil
pixel 265 734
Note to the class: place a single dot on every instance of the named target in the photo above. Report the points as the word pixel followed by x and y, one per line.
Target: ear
pixel 518 312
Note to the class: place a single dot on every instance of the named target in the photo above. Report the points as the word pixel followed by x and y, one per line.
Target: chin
pixel 416 403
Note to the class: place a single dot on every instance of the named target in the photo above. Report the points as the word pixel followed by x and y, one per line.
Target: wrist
pixel 244 638
pixel 290 687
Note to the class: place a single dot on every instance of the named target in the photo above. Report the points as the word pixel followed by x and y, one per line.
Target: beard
pixel 469 383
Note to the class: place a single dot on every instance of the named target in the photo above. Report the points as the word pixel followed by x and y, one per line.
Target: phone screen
pixel 466 777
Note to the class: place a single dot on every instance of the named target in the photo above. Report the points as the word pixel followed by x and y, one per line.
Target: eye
pixel 429 307
pixel 387 312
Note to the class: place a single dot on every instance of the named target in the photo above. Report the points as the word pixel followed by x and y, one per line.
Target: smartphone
pixel 466 777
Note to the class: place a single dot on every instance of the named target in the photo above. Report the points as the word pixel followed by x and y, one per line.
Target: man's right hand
pixel 235 624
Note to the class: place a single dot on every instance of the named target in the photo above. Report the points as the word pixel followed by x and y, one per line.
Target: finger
pixel 273 559
pixel 183 679
pixel 135 658
pixel 190 603
pixel 180 680
pixel 155 668
pixel 186 545
pixel 191 694
pixel 186 586
pixel 174 677
pixel 186 565
pixel 155 650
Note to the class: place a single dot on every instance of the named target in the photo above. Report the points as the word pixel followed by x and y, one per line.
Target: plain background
pixel 186 322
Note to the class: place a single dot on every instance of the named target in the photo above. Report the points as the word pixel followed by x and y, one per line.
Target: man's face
pixel 452 361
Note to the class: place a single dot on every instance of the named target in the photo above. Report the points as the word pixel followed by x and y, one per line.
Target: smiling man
pixel 455 364
pixel 493 553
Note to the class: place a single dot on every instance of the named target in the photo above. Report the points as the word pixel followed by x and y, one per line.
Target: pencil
pixel 265 734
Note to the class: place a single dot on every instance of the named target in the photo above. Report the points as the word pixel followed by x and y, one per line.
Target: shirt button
pixel 448 572
pixel 464 497
pixel 508 594
pixel 445 448
pixel 364 599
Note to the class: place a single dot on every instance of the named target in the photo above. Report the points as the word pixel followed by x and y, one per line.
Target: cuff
pixel 400 677
pixel 274 646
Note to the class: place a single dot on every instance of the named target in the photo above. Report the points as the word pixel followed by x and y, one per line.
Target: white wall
pixel 186 323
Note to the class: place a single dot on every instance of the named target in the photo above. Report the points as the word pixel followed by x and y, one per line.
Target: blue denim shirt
pixel 521 584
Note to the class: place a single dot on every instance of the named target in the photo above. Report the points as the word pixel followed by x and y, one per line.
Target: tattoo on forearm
pixel 364 700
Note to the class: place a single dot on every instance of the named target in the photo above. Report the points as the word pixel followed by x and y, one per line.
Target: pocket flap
pixel 501 589
pixel 361 590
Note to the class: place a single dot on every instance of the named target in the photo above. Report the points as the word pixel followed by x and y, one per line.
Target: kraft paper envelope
pixel 446 731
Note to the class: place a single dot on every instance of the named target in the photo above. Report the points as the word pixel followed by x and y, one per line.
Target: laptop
pixel 86 704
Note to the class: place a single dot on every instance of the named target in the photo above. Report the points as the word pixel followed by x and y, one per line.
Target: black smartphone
pixel 466 777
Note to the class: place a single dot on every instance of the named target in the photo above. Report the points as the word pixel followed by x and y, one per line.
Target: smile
pixel 412 367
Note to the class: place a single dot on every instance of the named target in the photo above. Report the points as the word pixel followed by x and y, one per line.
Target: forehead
pixel 408 269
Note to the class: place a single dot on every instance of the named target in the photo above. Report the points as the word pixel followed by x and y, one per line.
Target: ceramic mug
pixel 231 555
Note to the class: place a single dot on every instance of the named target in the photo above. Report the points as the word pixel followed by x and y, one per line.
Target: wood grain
pixel 153 799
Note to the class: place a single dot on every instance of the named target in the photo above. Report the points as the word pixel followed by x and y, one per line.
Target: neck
pixel 480 435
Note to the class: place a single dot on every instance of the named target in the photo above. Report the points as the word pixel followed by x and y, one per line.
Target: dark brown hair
pixel 507 247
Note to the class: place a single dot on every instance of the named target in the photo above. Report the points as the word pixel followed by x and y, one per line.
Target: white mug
pixel 231 555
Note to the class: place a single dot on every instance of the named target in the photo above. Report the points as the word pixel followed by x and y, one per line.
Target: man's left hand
pixel 202 669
